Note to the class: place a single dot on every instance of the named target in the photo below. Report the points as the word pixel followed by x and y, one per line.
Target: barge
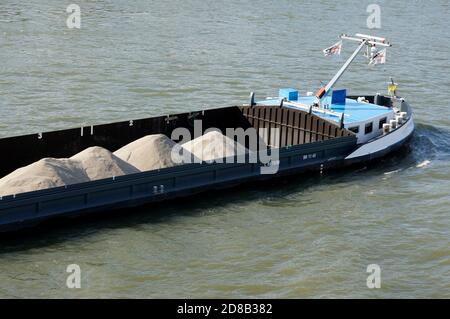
pixel 313 133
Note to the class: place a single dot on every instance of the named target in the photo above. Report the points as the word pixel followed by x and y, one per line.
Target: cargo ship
pixel 314 133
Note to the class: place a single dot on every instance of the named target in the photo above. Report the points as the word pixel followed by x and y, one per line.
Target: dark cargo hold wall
pixel 296 127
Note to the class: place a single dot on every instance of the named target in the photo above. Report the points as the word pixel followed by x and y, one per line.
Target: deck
pixel 354 111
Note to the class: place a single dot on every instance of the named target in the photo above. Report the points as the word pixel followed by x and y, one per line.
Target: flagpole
pixel 323 92
pixel 363 40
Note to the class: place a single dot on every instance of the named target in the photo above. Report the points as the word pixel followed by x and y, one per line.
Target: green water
pixel 303 237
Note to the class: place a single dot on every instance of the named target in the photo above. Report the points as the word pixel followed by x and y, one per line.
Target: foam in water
pixel 423 164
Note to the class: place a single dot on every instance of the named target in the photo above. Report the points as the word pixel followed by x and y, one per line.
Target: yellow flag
pixel 391 89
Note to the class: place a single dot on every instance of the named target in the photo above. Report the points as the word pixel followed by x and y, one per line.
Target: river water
pixel 304 237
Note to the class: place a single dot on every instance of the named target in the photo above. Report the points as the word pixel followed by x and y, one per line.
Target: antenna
pixel 370 37
pixel 364 37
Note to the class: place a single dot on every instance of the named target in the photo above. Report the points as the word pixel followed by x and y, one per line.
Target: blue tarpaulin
pixel 339 96
pixel 289 94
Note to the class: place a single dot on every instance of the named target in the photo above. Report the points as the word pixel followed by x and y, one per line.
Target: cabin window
pixel 369 128
pixel 354 129
pixel 382 121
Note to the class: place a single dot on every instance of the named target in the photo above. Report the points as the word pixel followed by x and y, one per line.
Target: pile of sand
pixel 147 153
pixel 100 163
pixel 45 173
pixel 153 152
pixel 214 145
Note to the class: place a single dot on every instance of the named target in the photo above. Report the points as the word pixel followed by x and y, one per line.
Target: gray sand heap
pixel 152 152
pixel 100 163
pixel 45 173
pixel 214 145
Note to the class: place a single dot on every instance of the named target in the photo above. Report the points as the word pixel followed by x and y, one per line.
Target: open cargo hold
pixel 306 142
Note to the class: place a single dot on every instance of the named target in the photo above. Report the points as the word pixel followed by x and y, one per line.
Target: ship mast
pixel 364 40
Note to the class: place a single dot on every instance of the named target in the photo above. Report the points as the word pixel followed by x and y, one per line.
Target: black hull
pixel 307 144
